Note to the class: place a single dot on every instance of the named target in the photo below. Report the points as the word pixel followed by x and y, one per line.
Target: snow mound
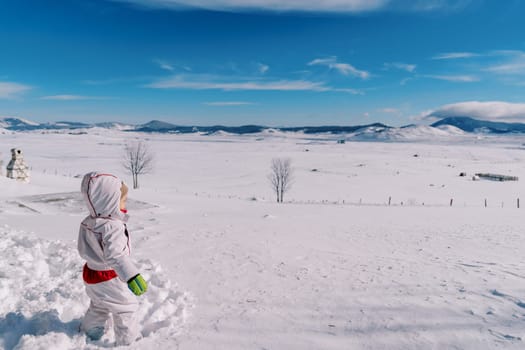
pixel 408 133
pixel 451 129
pixel 43 298
pixel 219 133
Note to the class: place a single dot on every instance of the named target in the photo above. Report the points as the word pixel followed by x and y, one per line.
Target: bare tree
pixel 281 177
pixel 138 160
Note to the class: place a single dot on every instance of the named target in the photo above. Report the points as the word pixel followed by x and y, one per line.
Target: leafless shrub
pixel 281 177
pixel 138 160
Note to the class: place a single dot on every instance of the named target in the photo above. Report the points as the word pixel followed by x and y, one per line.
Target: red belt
pixel 94 276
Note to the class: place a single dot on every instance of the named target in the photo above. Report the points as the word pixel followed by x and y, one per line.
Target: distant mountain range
pixel 159 126
pixel 20 124
pixel 465 124
pixel 481 126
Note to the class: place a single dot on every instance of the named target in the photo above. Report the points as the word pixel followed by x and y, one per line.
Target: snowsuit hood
pixel 101 192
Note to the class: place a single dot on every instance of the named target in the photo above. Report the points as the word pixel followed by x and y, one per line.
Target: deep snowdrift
pixel 43 297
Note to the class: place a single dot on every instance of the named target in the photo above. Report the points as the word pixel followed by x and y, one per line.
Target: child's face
pixel 123 195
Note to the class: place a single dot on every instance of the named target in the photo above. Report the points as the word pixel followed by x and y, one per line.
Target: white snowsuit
pixel 103 241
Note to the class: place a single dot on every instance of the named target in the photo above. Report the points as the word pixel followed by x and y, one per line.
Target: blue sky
pixel 262 62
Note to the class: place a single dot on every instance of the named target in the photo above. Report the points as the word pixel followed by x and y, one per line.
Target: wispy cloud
pixel 492 53
pixel 405 81
pixel 513 63
pixel 389 110
pixel 454 78
pixel 506 53
pixel 455 55
pixel 490 110
pixel 423 116
pixel 341 67
pixel 262 68
pixel 117 81
pixel 499 62
pixel 71 97
pixel 10 90
pixel 164 65
pixel 508 68
pixel 334 6
pixel 266 5
pixel 401 66
pixel 431 5
pixel 182 82
pixel 206 82
pixel 170 67
pixel 228 103
pixel 350 91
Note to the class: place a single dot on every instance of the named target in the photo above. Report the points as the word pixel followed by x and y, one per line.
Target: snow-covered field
pixel 335 267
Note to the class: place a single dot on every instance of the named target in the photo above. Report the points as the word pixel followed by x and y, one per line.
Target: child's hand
pixel 138 285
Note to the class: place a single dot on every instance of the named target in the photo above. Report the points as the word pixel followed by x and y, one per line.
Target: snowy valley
pixel 380 244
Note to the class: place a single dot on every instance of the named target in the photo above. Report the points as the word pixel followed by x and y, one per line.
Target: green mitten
pixel 138 285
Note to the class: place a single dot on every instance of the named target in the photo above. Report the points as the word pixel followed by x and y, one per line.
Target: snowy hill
pixel 13 123
pixel 115 126
pixel 474 125
pixel 407 133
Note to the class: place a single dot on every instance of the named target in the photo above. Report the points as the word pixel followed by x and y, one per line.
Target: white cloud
pixel 454 78
pixel 350 91
pixel 389 110
pixel 181 82
pixel 228 103
pixel 119 80
pixel 492 110
pixel 263 68
pixel 164 65
pixel 343 68
pixel 515 65
pixel 424 115
pixel 510 62
pixel 10 90
pixel 454 55
pixel 334 6
pixel 266 5
pixel 401 66
pixel 205 82
pixel 405 81
pixel 507 53
pixel 508 68
pixel 432 5
pixel 69 97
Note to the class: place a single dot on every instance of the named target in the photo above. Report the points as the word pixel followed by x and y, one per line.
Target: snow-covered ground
pixel 335 267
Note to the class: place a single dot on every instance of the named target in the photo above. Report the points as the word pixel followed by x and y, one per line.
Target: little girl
pixel 111 278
